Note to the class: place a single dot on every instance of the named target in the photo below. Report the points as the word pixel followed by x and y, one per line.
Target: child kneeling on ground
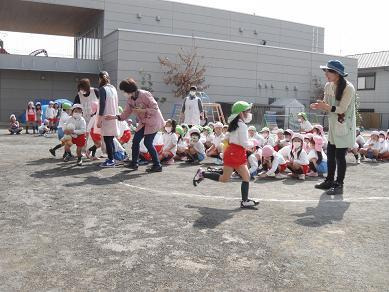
pixel 273 163
pixel 14 126
pixel 196 149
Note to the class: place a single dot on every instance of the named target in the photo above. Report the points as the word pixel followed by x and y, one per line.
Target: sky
pixel 351 27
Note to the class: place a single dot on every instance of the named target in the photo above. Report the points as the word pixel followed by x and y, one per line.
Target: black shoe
pixel 337 189
pixel 154 168
pixel 52 151
pixel 325 185
pixel 133 166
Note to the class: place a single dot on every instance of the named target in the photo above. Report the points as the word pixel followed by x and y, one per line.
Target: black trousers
pixel 109 146
pixel 336 158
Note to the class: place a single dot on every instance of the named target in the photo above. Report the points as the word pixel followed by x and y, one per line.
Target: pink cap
pixel 318 143
pixel 267 151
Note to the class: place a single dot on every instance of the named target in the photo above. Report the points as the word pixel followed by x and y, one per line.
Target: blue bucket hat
pixel 335 65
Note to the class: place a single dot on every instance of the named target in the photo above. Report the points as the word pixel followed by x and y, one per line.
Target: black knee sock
pixel 57 147
pixel 93 150
pixel 312 166
pixel 356 156
pixel 244 188
pixel 211 175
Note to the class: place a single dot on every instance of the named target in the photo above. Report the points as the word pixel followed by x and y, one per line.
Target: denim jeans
pixel 148 141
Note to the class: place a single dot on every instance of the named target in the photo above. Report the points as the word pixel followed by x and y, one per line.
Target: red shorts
pixel 80 141
pixel 126 137
pixel 276 148
pixel 95 137
pixel 305 169
pixel 235 156
pixel 31 118
pixel 147 155
pixel 282 167
pixel 52 120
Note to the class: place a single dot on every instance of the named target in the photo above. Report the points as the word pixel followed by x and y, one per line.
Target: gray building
pixel 373 87
pixel 256 58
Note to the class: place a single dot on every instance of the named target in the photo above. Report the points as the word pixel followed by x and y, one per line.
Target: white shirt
pixel 383 146
pixel 199 147
pixel 252 162
pixel 360 141
pixel 79 126
pixel 259 138
pixel 158 140
pixel 312 154
pixel 284 151
pixel 50 113
pixel 240 136
pixel 302 159
pixel 306 126
pixel 63 119
pixel 376 145
pixel 277 161
pixel 170 141
pixel 217 140
pixel 269 141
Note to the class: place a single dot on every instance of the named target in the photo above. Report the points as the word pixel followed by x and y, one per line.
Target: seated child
pixel 144 155
pixel 317 157
pixel 170 141
pixel 217 143
pixel 298 162
pixel 319 130
pixel 279 138
pixel 288 134
pixel 273 163
pixel 305 125
pixel 225 129
pixel 14 126
pixel 268 139
pixel 384 146
pixel 196 149
pixel 182 146
pixel 371 149
pixel 78 134
pixel 208 137
pixel 253 135
pixel 44 128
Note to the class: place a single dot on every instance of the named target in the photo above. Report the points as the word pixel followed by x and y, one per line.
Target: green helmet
pixel 304 115
pixel 180 130
pixel 66 106
pixel 237 108
pixel 208 129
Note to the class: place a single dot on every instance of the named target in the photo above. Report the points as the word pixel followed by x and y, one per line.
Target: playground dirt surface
pixel 69 228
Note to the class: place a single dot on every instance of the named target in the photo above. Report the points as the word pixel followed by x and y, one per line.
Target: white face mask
pixel 168 129
pixel 192 93
pixel 381 140
pixel 248 118
pixel 77 115
pixel 296 145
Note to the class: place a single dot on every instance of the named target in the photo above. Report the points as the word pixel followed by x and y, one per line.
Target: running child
pixel 65 115
pixel 235 157
pixel 79 132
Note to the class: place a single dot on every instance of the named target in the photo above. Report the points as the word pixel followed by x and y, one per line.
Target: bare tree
pixel 317 89
pixel 187 72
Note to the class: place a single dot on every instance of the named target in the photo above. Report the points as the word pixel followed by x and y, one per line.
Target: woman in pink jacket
pixel 143 105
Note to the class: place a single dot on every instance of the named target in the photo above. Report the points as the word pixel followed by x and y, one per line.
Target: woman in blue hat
pixel 339 103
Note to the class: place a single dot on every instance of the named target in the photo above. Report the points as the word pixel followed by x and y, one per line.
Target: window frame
pixel 364 75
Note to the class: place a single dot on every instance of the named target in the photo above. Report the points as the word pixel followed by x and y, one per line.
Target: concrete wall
pixel 94 4
pixel 184 19
pixel 377 99
pixel 19 87
pixel 233 69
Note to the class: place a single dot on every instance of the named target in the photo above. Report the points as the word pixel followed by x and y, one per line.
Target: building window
pixel 366 82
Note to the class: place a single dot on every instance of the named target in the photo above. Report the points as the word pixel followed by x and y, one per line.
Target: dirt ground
pixel 68 228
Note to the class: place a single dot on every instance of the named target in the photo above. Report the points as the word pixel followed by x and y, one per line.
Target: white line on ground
pixel 169 193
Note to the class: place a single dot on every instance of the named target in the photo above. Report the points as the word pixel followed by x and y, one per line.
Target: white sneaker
pixel 359 160
pixel 271 175
pixel 301 176
pixel 280 176
pixel 248 204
